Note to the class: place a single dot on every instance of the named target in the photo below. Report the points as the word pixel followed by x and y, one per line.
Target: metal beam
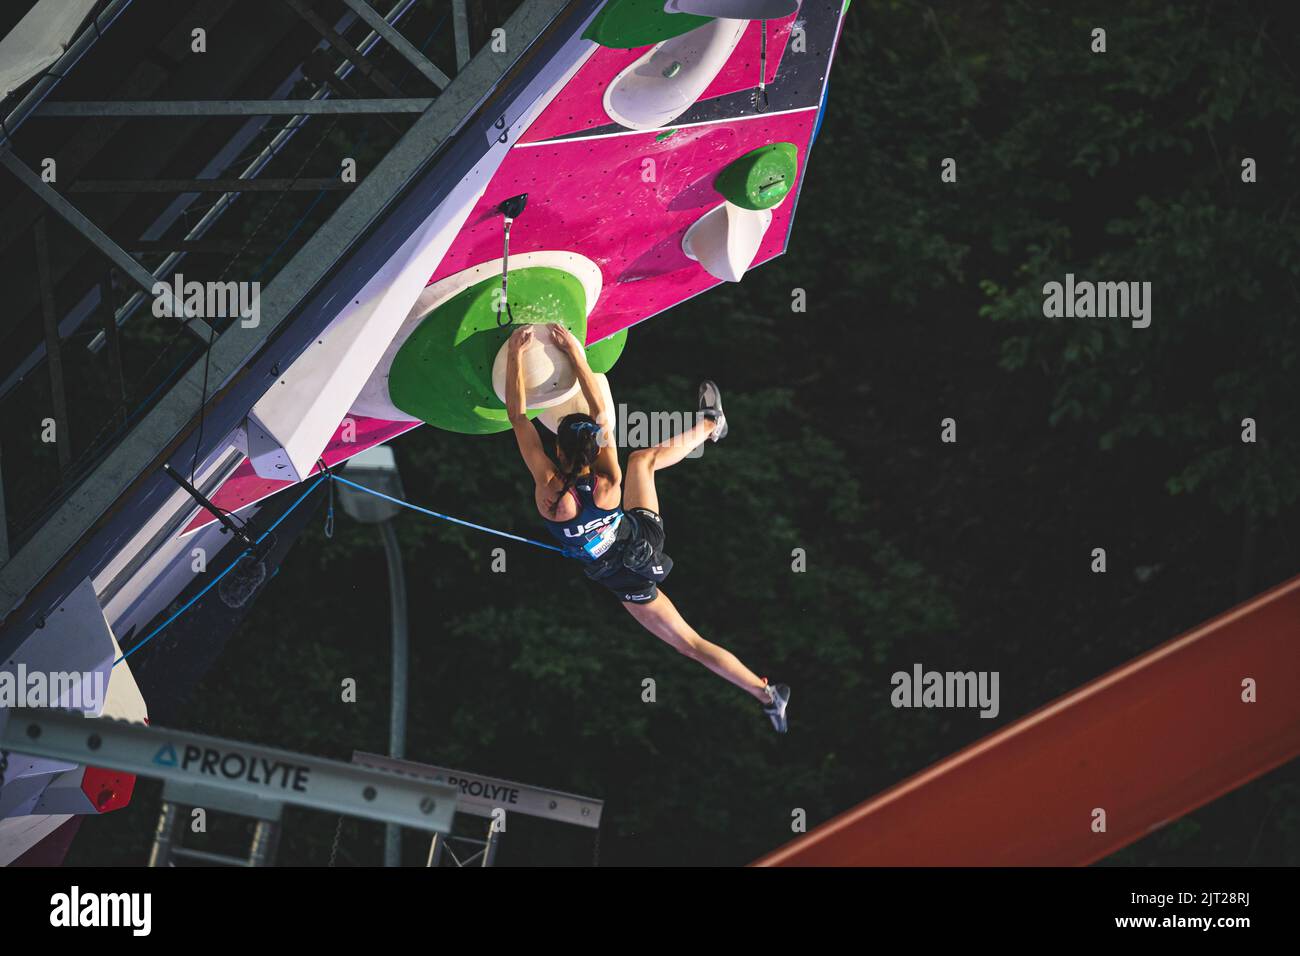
pixel 227 247
pixel 143 80
pixel 214 212
pixel 51 77
pixel 54 352
pixel 482 795
pixel 230 769
pixel 107 297
pixel 399 43
pixel 259 162
pixel 460 24
pixel 234 107
pixel 207 185
pixel 119 256
pixel 319 69
pixel 338 42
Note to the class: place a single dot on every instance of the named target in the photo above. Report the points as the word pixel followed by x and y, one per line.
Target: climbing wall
pixel 624 198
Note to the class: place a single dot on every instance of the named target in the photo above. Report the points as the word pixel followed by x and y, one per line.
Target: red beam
pixel 1148 742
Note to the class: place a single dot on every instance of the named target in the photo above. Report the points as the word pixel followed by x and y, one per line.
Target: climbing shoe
pixel 711 408
pixel 779 695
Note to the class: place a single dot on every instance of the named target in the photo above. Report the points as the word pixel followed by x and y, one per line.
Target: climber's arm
pixel 530 446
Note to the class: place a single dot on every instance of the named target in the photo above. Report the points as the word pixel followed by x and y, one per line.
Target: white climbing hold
pixel 549 376
pixel 725 240
pixel 734 9
pixel 666 81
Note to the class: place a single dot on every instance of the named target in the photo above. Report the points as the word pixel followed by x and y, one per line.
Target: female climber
pixel 617 533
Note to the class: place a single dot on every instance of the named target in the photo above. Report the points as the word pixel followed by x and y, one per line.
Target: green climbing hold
pixel 624 24
pixel 442 374
pixel 603 354
pixel 761 178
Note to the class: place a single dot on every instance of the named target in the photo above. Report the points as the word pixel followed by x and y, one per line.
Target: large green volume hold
pixel 624 24
pixel 442 374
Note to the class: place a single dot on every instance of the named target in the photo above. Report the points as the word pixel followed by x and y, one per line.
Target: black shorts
pixel 641 587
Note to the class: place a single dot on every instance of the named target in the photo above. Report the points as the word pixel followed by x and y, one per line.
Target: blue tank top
pixel 594 530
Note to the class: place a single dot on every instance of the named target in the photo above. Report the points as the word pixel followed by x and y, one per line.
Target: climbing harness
pixel 510 209
pixel 635 555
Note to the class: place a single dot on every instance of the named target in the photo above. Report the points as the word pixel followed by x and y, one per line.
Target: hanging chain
pixel 504 307
pixel 510 210
pixel 760 94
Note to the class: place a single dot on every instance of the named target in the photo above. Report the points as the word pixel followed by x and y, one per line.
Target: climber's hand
pixel 566 341
pixel 521 337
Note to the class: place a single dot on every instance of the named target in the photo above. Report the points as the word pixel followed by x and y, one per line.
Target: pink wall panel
pixel 588 196
pixel 578 106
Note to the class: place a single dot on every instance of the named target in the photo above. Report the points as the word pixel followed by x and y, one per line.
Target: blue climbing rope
pixel 327 475
pixel 459 521
pixel 188 604
pixel 217 580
